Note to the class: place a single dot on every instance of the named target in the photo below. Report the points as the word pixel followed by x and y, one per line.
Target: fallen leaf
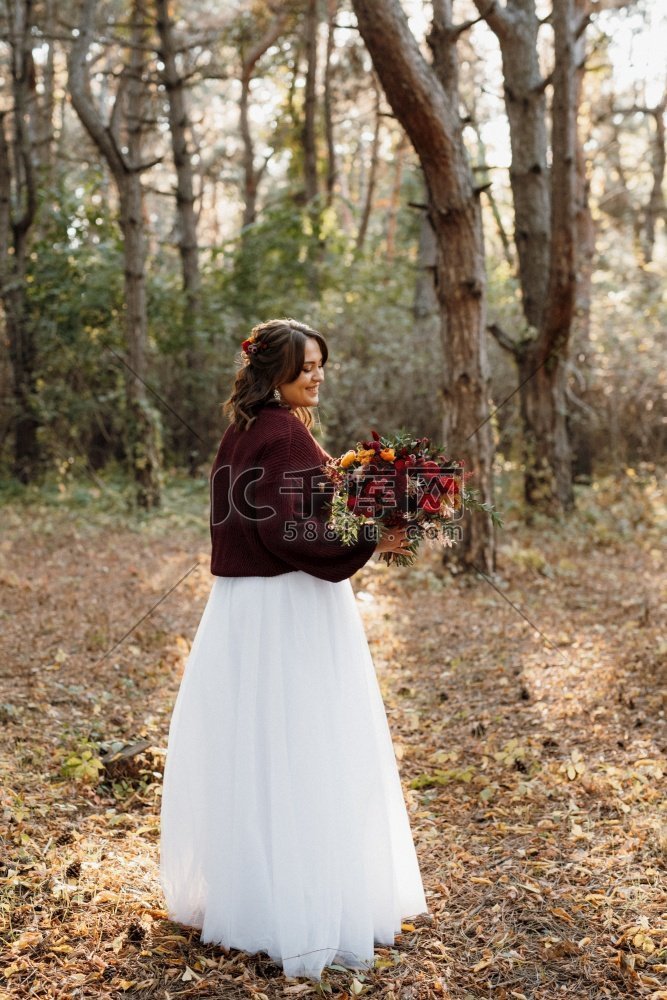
pixel 27 939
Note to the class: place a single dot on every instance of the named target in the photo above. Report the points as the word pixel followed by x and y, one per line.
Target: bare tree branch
pixel 504 339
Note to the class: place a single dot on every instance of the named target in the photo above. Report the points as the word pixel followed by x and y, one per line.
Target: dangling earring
pixel 276 395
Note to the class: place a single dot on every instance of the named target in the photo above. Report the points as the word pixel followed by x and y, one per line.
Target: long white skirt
pixel 283 827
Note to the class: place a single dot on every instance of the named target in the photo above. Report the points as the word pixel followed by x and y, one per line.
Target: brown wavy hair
pixel 279 360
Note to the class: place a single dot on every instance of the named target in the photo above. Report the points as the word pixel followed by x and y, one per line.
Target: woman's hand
pixel 393 540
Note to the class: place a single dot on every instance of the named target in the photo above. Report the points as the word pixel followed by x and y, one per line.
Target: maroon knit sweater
pixel 269 504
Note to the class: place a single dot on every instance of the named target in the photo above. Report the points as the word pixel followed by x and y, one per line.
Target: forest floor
pixel 528 718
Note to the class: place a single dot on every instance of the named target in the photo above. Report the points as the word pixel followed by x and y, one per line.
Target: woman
pixel 283 826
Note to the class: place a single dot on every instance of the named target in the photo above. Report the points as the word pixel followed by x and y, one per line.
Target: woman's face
pixel 304 390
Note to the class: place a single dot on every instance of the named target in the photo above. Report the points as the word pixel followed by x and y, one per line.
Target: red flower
pixel 449 484
pixel 429 503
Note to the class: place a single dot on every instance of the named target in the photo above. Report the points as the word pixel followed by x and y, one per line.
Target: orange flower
pixel 365 455
pixel 348 458
pixel 388 454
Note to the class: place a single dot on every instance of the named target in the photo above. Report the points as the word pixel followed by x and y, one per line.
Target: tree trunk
pixel 426 104
pixel 544 208
pixel 328 103
pixel 45 108
pixel 655 209
pixel 395 197
pixel 310 109
pixel 547 457
pixel 18 186
pixel 143 429
pixel 251 174
pixel 143 447
pixel 372 173
pixel 188 244
pixel 425 304
pixel 585 225
pixel 579 430
pixel 516 26
pixel 314 242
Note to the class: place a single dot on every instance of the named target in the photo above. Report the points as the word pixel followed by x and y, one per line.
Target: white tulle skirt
pixel 283 828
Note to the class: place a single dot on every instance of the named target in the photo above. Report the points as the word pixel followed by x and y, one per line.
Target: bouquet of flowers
pixel 401 481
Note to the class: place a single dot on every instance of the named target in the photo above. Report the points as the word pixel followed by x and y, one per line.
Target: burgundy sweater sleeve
pixel 289 526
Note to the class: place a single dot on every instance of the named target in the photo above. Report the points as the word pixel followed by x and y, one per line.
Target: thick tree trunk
pixel 188 244
pixel 545 204
pixel 143 441
pixel 20 334
pixel 143 428
pixel 546 450
pixel 142 425
pixel 18 188
pixel 547 458
pixel 428 111
pixel 579 367
pixel 516 26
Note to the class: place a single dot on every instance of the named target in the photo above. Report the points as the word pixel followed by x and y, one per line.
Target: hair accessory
pixel 253 346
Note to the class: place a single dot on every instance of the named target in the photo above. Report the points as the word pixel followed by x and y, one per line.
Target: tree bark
pixel 252 174
pixel 372 173
pixel 425 303
pixel 655 208
pixel 426 104
pixel 45 108
pixel 545 203
pixel 250 177
pixel 579 365
pixel 18 185
pixel 395 197
pixel 328 102
pixel 142 428
pixel 547 457
pixel 585 225
pixel 188 243
pixel 516 26
pixel 310 110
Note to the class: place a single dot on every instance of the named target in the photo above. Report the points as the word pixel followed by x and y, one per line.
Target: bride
pixel 283 824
